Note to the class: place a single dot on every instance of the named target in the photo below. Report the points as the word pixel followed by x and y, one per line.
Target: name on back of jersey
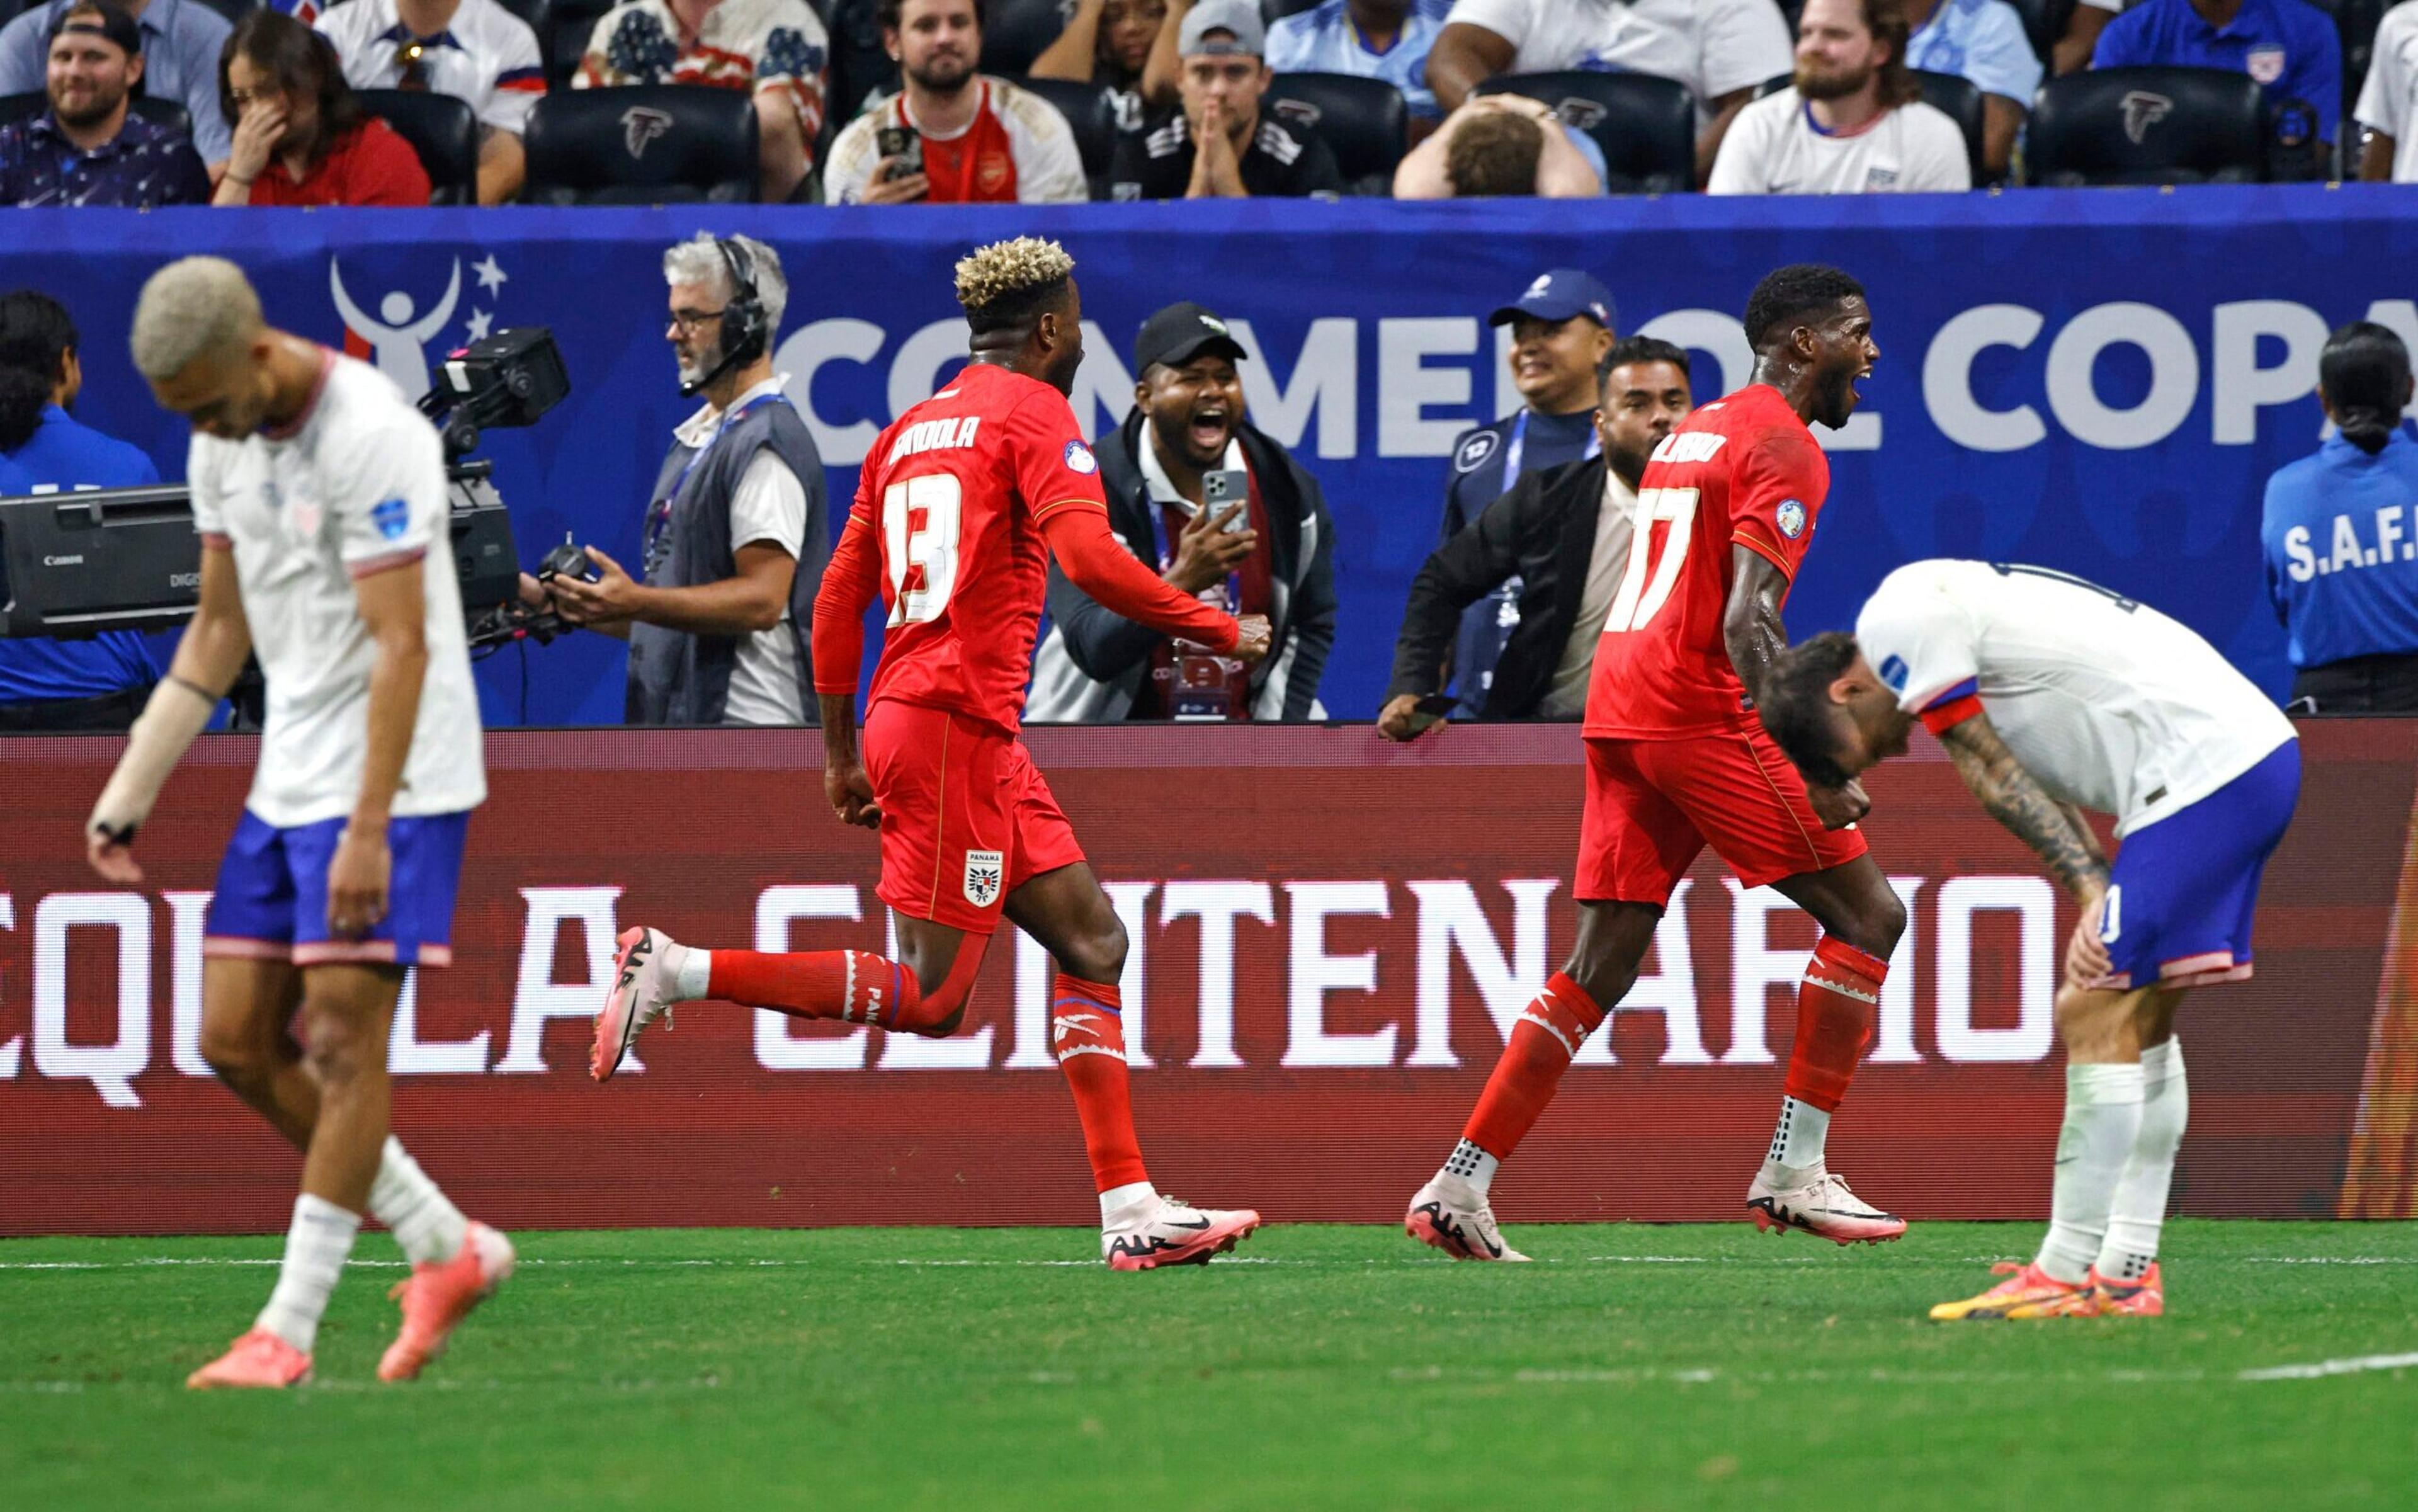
pixel 935 435
pixel 1689 446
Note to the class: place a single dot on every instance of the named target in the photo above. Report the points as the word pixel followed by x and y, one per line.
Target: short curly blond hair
pixel 1008 283
pixel 195 307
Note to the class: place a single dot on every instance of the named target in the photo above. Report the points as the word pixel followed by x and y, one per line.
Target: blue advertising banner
pixel 2096 380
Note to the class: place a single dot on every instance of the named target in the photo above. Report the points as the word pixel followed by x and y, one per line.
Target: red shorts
pixel 966 818
pixel 1651 805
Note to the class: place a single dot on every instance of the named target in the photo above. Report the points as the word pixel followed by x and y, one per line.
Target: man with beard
pixel 1677 759
pixel 1854 122
pixel 89 148
pixel 1224 513
pixel 181 43
pixel 952 136
pixel 1216 143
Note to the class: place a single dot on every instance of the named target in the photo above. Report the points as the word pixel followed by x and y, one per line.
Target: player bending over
pixel 2052 695
pixel 1675 759
pixel 320 495
pixel 960 501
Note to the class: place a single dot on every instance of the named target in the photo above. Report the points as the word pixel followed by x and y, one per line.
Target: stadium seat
pixel 569 24
pixel 1015 32
pixel 1364 120
pixel 442 129
pixel 1960 101
pixel 2043 23
pixel 2147 126
pixel 642 145
pixel 1645 126
pixel 169 113
pixel 859 65
pixel 1087 109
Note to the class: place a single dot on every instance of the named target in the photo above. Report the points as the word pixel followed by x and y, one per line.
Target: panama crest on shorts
pixel 984 869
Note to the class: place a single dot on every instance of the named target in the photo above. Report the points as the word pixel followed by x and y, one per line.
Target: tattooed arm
pixel 2056 832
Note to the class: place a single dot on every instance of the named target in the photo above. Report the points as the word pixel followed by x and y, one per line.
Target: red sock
pixel 1541 1044
pixel 852 985
pixel 1087 1026
pixel 1836 1006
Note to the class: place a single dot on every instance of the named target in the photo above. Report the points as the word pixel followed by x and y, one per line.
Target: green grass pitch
pixel 1635 1366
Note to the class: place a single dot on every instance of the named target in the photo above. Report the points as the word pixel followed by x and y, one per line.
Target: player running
pixel 958 505
pixel 319 496
pixel 1676 759
pixel 2052 695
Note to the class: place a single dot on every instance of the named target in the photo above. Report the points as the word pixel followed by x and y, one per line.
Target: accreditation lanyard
pixel 661 515
pixel 1519 447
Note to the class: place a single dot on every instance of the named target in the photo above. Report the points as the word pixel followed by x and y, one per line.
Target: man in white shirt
pixel 1854 122
pixel 1719 49
pixel 952 135
pixel 2054 696
pixel 319 496
pixel 2390 150
pixel 474 50
pixel 735 537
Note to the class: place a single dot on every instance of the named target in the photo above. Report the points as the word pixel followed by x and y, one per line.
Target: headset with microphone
pixel 745 328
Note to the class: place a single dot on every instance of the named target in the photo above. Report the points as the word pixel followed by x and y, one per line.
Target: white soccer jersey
pixel 1714 47
pixel 485 56
pixel 1774 147
pixel 354 486
pixel 2386 98
pixel 2109 703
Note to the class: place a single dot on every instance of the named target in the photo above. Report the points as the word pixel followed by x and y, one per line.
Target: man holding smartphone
pixel 1223 512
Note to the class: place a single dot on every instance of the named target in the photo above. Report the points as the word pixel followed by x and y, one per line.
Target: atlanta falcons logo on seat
pixel 640 125
pixel 2143 110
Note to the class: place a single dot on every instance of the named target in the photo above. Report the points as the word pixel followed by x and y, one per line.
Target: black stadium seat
pixel 1087 109
pixel 532 12
pixel 169 113
pixel 859 67
pixel 1015 32
pixel 642 145
pixel 442 129
pixel 569 24
pixel 1960 101
pixel 1363 120
pixel 2147 126
pixel 2043 23
pixel 1645 126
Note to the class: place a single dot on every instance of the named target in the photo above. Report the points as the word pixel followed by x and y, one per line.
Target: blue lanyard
pixel 661 515
pixel 1519 447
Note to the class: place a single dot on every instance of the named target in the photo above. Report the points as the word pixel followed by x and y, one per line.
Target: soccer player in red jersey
pixel 959 504
pixel 1676 758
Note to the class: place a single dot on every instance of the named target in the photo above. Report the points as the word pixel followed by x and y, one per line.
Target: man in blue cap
pixel 1561 326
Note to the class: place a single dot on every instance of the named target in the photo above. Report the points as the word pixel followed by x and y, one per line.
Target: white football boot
pixel 1162 1230
pixel 1452 1215
pixel 640 994
pixel 1818 1203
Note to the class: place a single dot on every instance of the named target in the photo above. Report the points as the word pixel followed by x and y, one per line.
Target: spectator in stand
pixel 776 48
pixel 1983 43
pixel 2338 532
pixel 2389 153
pixel 2083 24
pixel 1561 329
pixel 968 138
pixel 1106 43
pixel 2291 47
pixel 1222 510
pixel 1498 145
pixel 181 40
pixel 87 684
pixel 88 147
pixel 1854 122
pixel 1216 144
pixel 300 136
pixel 1560 540
pixel 1722 49
pixel 1385 39
pixel 474 50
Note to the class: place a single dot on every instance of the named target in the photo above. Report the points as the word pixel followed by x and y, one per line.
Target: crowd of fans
pixel 152 102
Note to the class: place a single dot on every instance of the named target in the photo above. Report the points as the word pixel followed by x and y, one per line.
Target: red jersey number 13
pixel 919 545
pixel 1642 596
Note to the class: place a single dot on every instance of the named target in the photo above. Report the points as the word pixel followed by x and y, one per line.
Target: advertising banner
pixel 1329 939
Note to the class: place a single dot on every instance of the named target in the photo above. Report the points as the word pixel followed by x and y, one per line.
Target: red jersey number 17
pixel 1647 586
pixel 919 545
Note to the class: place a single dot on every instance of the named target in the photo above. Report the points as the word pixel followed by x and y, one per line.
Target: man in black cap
pixel 1217 143
pixel 1223 512
pixel 1561 326
pixel 89 147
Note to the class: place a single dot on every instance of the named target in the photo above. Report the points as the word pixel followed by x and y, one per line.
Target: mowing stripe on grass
pixel 2350 1367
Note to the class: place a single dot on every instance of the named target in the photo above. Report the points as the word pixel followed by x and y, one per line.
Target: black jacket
pixel 1090 668
pixel 1544 531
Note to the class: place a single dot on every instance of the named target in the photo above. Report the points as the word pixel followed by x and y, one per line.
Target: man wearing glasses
pixel 735 537
pixel 474 50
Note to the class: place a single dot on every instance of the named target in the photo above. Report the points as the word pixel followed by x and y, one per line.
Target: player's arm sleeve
pixel 1103 644
pixel 1775 496
pixel 1097 563
pixel 387 497
pixel 850 581
pixel 1926 651
pixel 202 490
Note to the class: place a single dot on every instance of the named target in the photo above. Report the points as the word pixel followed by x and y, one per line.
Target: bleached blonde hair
pixel 697 260
pixel 1007 283
pixel 194 307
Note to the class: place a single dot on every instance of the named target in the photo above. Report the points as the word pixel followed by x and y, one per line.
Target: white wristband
pixel 178 712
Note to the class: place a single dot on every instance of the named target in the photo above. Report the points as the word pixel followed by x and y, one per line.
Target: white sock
pixel 2102 1119
pixel 1473 1166
pixel 692 972
pixel 1116 1198
pixel 315 1249
pixel 426 1222
pixel 2140 1207
pixel 1798 1140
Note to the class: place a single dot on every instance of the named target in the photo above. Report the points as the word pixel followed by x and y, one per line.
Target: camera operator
pixel 736 538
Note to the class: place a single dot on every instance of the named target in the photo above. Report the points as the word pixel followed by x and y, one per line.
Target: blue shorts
pixel 2185 889
pixel 271 901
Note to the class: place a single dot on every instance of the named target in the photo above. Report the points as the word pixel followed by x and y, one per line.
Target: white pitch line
pixel 2350 1367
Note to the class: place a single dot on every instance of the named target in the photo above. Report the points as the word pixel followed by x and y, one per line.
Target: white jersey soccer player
pixel 319 496
pixel 2055 696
